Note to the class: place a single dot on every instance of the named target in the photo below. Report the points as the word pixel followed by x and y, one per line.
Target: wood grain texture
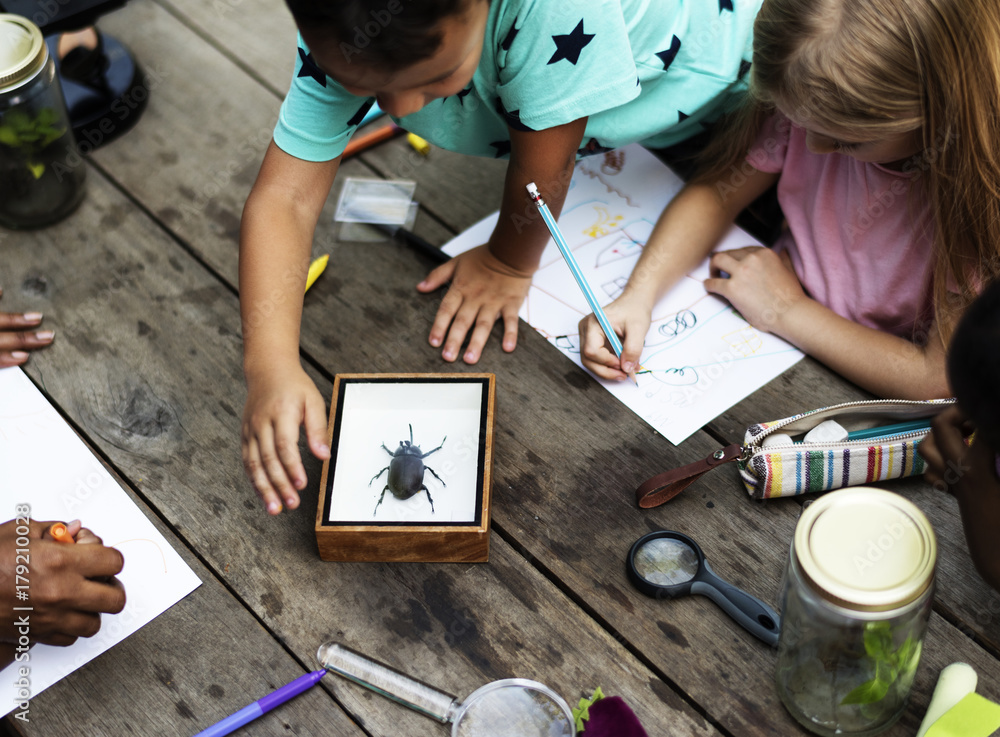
pixel 147 363
pixel 150 370
pixel 204 658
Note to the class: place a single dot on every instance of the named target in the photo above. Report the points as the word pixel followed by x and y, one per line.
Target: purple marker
pixel 262 706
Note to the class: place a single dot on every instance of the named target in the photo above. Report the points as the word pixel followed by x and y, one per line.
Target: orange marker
pixel 374 138
pixel 60 533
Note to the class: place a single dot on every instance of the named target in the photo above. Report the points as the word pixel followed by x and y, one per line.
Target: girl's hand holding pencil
pixel 630 319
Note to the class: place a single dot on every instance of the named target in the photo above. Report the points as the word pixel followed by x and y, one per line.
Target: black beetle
pixel 406 471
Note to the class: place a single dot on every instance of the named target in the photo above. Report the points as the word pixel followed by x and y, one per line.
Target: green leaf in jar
pixel 8 136
pixel 867 693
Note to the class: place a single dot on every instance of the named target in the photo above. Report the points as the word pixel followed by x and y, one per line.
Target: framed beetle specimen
pixel 409 472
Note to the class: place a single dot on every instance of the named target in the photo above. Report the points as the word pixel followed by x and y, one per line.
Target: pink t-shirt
pixel 860 243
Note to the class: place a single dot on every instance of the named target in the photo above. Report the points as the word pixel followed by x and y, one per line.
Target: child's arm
pixel 689 228
pixel 492 280
pixel 766 291
pixel 276 234
pixel 969 473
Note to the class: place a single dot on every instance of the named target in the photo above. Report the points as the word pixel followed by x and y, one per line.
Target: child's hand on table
pixel 70 585
pixel 761 285
pixel 483 288
pixel 944 449
pixel 969 473
pixel 630 317
pixel 18 335
pixel 278 404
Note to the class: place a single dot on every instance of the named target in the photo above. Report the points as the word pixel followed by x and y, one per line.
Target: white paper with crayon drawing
pixel 701 356
pixel 44 464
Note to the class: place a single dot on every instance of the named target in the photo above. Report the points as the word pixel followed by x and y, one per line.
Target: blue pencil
pixel 898 429
pixel 557 236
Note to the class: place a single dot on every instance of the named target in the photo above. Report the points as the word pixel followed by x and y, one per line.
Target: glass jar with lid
pixel 41 171
pixel 855 604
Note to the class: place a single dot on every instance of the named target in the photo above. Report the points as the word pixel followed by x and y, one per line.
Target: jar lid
pixel 22 50
pixel 866 549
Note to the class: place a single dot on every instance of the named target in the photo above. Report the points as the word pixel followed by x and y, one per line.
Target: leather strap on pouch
pixel 665 486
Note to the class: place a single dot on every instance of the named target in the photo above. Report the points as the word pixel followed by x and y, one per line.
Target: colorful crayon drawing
pixel 700 356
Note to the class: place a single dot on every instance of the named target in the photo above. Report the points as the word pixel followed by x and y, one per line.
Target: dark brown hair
pixel 386 34
pixel 974 364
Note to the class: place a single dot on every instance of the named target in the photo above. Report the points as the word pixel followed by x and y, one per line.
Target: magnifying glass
pixel 671 564
pixel 512 707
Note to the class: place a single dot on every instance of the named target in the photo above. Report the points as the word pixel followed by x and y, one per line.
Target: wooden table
pixel 140 285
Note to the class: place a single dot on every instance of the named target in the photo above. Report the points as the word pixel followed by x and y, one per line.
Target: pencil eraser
pixel 532 189
pixel 828 431
pixel 778 438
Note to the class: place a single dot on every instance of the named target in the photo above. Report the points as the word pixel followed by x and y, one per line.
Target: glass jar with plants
pixel 41 171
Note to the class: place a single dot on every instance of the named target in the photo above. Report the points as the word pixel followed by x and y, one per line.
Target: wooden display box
pixel 409 472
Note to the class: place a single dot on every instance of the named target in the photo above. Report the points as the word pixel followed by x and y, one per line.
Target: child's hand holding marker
pixel 66 585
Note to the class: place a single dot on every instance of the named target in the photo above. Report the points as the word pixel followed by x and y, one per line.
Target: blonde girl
pixel 879 120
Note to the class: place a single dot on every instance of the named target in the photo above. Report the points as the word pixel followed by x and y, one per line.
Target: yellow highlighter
pixel 315 269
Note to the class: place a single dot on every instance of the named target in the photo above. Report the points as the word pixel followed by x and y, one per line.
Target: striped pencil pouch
pixel 775 460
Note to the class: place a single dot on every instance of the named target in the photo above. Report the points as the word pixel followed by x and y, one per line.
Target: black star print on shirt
pixel 362 111
pixel 569 45
pixel 502 147
pixel 744 68
pixel 511 35
pixel 667 57
pixel 726 5
pixel 462 93
pixel 309 68
pixel 512 117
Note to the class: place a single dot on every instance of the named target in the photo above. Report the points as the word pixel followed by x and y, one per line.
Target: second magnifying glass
pixel 512 707
pixel 670 564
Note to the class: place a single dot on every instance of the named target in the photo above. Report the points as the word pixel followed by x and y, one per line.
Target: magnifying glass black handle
pixel 755 616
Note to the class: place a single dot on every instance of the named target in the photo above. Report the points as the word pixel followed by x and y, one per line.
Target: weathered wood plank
pixel 568 459
pixel 257 34
pixel 201 660
pixel 148 362
pixel 389 332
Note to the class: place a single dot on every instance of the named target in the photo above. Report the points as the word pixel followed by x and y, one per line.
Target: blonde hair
pixel 882 67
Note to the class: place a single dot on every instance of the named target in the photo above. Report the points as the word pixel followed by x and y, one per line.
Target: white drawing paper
pixel 44 464
pixel 701 356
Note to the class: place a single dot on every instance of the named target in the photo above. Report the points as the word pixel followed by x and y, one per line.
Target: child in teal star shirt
pixel 538 81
